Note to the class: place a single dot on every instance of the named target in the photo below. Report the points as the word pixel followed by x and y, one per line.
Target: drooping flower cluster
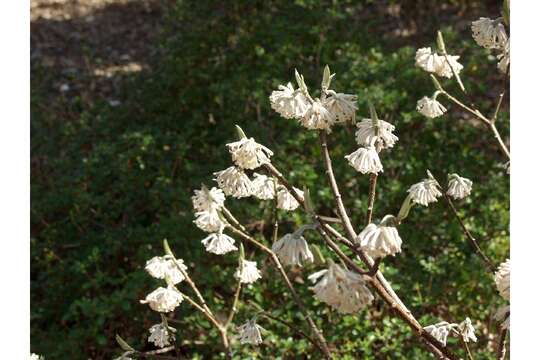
pixel 437 64
pixel 502 279
pixel 207 204
pixel 380 240
pixel 160 335
pixel 248 154
pixel 440 331
pixel 163 299
pixel 264 187
pixel 163 268
pixel 292 249
pixel 458 187
pixel 342 289
pixel 365 160
pixel 234 182
pixel 466 330
pixel 219 243
pixel 425 192
pixel 491 34
pixel 368 133
pixel 248 273
pixel 430 107
pixel 250 333
pixel 285 200
pixel 315 114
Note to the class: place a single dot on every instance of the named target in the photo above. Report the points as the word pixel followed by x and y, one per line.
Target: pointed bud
pixel 308 205
pixel 318 257
pixel 124 345
pixel 241 134
pixel 440 42
pixel 405 208
pixel 326 78
pixel 167 248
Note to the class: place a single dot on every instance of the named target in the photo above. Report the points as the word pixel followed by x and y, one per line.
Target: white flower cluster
pixel 380 240
pixel 36 357
pixel 250 333
pixel 163 268
pixel 248 273
pixel 425 192
pixel 342 289
pixel 458 187
pixel 219 243
pixel 285 200
pixel 318 114
pixel 234 182
pixel 264 187
pixel 437 64
pixel 248 154
pixel 365 160
pixel 292 249
pixel 503 316
pixel 430 107
pixel 207 204
pixel 491 34
pixel 440 331
pixel 163 299
pixel 161 334
pixel 502 279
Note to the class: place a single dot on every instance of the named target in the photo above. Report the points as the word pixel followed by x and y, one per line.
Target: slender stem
pixel 501 349
pixel 234 307
pixel 371 197
pixel 207 314
pixel 489 264
pixel 466 346
pixel 296 298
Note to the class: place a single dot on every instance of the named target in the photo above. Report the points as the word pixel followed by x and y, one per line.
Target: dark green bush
pixel 110 185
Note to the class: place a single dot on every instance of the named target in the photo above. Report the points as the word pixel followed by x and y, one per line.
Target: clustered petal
pixel 504 58
pixel 285 200
pixel 380 240
pixel 458 187
pixel 160 335
pixel 248 154
pixel 366 134
pixel 161 268
pixel 342 289
pixel 467 330
pixel 248 272
pixel 208 200
pixel 430 108
pixel 250 333
pixel 433 63
pixel 263 187
pixel 288 102
pixel 317 117
pixel 503 316
pixel 208 221
pixel 342 106
pixel 424 192
pixel 163 299
pixel 440 331
pixel 489 33
pixel 292 250
pixel 234 182
pixel 365 160
pixel 502 279
pixel 219 243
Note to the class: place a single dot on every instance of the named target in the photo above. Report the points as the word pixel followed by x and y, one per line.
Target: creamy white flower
pixel 380 240
pixel 288 102
pixel 208 221
pixel 489 33
pixel 219 243
pixel 467 330
pixel 36 357
pixel 234 182
pixel 458 187
pixel 207 200
pixel 161 268
pixel 434 63
pixel 342 289
pixel 163 299
pixel 502 279
pixel 317 117
pixel 263 187
pixel 366 133
pixel 160 335
pixel 424 192
pixel 365 160
pixel 430 108
pixel 503 316
pixel 248 272
pixel 248 154
pixel 341 106
pixel 285 200
pixel 440 331
pixel 504 58
pixel 292 250
pixel 250 333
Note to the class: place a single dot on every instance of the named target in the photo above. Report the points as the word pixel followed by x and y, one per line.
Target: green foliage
pixel 109 186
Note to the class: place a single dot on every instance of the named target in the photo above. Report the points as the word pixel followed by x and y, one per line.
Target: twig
pixel 234 306
pixel 469 236
pixel 293 328
pixel 371 197
pixel 501 349
pixel 466 346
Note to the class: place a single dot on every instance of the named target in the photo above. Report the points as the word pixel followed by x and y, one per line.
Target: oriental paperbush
pixel 349 279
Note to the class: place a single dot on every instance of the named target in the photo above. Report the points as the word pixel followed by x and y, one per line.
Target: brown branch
pixel 501 348
pixel 371 197
pixel 489 264
pixel 234 306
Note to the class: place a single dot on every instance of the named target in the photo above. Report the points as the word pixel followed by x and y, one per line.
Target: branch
pixel 501 349
pixel 371 197
pixel 470 238
pixel 234 307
